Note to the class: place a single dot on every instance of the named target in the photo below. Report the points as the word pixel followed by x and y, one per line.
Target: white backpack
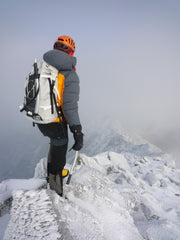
pixel 41 94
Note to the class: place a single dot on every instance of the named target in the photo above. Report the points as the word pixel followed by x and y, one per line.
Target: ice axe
pixel 72 168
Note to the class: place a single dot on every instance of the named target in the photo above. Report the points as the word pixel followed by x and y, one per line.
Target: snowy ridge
pixel 111 196
pixel 106 136
pixel 32 217
pixel 8 186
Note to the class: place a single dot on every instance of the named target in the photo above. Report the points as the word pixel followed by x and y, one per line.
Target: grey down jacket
pixel 65 64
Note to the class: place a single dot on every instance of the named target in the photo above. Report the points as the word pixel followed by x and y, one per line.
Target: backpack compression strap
pixel 33 78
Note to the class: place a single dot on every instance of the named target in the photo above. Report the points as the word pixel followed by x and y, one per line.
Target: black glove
pixel 78 137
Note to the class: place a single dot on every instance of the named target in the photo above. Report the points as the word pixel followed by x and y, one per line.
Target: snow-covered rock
pixel 128 190
pixel 8 186
pixel 110 197
pixel 32 217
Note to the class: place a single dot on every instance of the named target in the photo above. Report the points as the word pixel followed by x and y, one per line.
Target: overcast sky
pixel 128 55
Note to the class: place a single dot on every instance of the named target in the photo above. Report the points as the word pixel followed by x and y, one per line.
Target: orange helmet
pixel 65 44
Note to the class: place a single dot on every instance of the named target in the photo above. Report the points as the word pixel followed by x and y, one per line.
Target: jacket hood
pixel 60 60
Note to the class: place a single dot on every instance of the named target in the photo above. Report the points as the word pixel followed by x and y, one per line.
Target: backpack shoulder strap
pixel 60 88
pixel 59 100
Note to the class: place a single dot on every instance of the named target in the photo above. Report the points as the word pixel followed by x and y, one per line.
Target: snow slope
pixel 130 191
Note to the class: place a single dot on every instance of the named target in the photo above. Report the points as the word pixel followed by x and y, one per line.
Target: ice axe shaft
pixel 72 168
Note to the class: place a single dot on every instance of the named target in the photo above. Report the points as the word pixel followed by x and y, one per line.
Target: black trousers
pixel 56 159
pixel 57 132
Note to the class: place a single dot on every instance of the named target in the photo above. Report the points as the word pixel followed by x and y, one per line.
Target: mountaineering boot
pixel 59 184
pixel 56 183
pixel 52 181
pixel 65 173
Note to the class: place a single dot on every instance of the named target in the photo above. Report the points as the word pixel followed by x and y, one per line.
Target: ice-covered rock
pixel 32 217
pixel 128 190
